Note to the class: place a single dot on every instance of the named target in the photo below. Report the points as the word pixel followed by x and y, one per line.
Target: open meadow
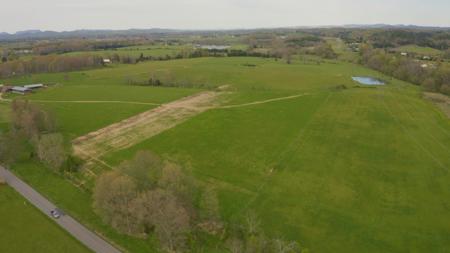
pixel 338 166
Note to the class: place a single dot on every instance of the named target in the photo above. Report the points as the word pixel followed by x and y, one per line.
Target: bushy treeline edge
pixel 33 134
pixel 433 76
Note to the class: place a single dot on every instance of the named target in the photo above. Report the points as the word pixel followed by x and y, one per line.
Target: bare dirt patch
pixel 131 131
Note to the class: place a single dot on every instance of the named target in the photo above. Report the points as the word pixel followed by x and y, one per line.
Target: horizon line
pixel 230 29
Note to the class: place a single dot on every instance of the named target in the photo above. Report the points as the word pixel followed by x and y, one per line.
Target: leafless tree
pixel 145 168
pixel 51 151
pixel 160 210
pixel 113 196
pixel 281 246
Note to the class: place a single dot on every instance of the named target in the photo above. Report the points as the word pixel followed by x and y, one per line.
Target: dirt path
pixel 131 131
pixel 138 128
pixel 93 102
pixel 263 101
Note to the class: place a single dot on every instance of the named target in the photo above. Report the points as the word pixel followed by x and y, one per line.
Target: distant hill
pixel 155 32
pixel 38 34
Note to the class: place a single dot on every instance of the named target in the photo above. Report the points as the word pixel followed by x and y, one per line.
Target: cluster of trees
pixel 33 134
pixel 432 78
pixel 248 237
pixel 50 63
pixel 74 45
pixel 166 79
pixel 147 196
pixel 323 50
pixel 398 37
pixel 303 41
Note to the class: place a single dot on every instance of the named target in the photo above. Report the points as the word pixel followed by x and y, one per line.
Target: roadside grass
pixel 4 115
pixel 77 203
pixel 25 229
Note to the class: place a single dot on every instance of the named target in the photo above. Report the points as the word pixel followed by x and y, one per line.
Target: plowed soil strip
pixel 138 128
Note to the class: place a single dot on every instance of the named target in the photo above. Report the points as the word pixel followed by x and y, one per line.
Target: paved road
pixel 77 230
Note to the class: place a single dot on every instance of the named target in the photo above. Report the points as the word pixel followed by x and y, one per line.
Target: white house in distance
pixel 107 61
pixel 404 54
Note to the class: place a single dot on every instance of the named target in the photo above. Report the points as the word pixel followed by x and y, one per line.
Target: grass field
pixel 354 169
pixel 4 115
pixel 136 51
pixel 419 50
pixel 24 229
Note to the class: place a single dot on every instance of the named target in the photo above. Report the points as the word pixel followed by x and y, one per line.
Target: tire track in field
pixel 411 117
pixel 426 103
pixel 411 136
pixel 263 101
pixel 281 156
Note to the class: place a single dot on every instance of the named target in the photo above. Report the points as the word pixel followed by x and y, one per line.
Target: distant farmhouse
pixel 107 61
pixel 212 47
pixel 22 90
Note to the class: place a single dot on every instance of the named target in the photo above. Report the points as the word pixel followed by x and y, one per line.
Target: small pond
pixel 367 80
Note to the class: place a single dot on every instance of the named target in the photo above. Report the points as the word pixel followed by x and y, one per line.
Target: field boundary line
pixel 263 101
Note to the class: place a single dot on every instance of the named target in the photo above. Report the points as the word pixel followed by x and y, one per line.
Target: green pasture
pixel 266 79
pixel 25 229
pixel 343 168
pixel 362 169
pixel 136 51
pixel 365 170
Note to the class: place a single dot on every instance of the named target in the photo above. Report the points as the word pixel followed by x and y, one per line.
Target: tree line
pixel 431 78
pixel 47 64
pixel 33 134
pixel 74 45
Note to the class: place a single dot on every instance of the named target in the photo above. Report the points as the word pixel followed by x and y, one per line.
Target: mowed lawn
pixel 24 229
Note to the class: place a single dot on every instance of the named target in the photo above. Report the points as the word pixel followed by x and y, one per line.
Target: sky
pixel 65 15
